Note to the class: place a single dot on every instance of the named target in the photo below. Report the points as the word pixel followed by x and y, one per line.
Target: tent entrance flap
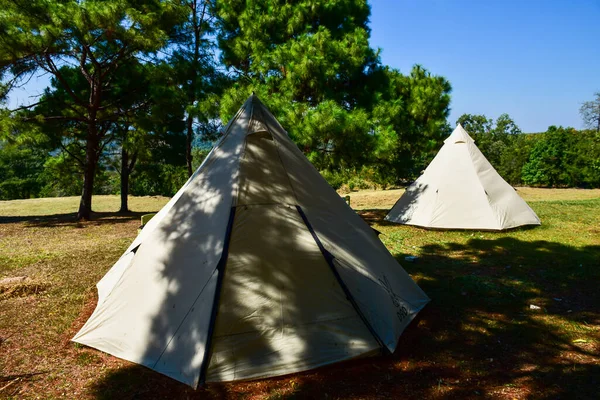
pixel 213 317
pixel 282 310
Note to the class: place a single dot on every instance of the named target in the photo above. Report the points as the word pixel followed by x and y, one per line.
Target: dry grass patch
pixel 69 258
pixel 69 205
pixel 385 199
pixel 374 199
pixel 542 194
pixel 20 286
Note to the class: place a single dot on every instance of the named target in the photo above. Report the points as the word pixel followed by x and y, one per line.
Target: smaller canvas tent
pixel 461 190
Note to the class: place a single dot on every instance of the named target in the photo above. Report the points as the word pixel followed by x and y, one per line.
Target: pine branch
pixel 27 107
pixel 71 154
pixel 62 80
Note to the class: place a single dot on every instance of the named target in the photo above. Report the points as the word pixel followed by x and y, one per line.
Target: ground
pixel 478 338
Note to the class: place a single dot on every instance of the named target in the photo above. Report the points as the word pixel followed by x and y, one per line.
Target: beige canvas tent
pixel 461 190
pixel 255 268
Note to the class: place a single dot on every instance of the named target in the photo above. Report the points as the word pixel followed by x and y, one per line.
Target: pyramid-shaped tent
pixel 461 190
pixel 255 268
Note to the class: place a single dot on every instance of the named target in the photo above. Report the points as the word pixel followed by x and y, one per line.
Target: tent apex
pixel 459 135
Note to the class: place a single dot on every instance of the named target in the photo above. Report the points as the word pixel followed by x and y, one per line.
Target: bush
pixel 157 179
pixel 335 179
pixel 350 179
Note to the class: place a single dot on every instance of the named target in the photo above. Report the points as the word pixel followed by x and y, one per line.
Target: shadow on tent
pixel 139 381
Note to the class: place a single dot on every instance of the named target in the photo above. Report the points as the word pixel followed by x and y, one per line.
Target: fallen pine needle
pixel 9 383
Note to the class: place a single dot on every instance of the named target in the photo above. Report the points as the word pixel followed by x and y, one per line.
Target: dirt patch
pixel 86 312
pixel 20 286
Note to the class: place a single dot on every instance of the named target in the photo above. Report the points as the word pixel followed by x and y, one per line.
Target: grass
pixel 68 205
pixel 385 199
pixel 478 338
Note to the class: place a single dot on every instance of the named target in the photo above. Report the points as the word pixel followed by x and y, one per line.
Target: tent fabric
pixel 377 282
pixel 281 308
pixel 461 190
pixel 255 268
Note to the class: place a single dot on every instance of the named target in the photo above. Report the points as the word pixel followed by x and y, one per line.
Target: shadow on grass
pixel 98 218
pixel 138 382
pixel 481 320
pixel 477 338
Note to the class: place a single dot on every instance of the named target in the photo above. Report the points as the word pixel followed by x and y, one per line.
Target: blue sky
pixel 536 60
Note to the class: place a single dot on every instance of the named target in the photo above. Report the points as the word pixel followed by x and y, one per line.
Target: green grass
pixel 477 338
pixel 68 205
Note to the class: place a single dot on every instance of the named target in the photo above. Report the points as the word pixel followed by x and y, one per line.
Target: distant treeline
pixel 30 172
pixel 560 157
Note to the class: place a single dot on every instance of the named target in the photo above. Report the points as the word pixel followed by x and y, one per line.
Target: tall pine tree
pixel 196 69
pixel 310 62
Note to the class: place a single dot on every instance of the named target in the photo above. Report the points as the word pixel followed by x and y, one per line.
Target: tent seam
pixel 482 186
pixel 280 158
pixel 235 199
pixel 214 313
pixel 134 251
pixel 329 259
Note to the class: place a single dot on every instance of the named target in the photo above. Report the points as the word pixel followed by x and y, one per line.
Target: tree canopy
pixel 83 45
pixel 139 91
pixel 312 64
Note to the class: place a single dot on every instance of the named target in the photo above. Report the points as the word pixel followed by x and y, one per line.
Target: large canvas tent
pixel 461 190
pixel 255 268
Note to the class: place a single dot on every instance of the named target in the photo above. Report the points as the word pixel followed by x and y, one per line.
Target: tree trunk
pixel 124 180
pixel 91 159
pixel 188 148
pixel 192 97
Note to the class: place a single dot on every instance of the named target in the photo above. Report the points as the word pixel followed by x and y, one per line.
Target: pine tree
pixel 310 61
pixel 82 43
pixel 195 65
